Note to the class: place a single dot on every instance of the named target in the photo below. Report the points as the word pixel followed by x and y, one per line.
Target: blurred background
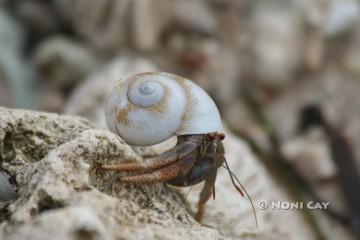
pixel 285 74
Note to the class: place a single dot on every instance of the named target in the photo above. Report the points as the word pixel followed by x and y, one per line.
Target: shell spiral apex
pixel 148 108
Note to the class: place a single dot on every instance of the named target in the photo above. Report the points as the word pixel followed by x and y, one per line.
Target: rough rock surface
pixel 62 193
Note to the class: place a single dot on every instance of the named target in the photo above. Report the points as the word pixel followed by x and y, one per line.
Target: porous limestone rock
pixel 63 194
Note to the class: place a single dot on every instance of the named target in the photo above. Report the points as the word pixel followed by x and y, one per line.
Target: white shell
pixel 148 108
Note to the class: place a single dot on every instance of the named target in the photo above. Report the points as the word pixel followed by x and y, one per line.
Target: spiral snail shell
pixel 148 108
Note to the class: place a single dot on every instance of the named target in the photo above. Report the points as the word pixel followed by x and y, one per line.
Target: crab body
pixel 194 159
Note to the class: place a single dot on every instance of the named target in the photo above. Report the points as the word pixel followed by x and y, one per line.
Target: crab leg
pixel 180 151
pixel 207 191
pixel 164 174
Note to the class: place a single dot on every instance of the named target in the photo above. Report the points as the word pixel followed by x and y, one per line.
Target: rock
pixel 56 165
pixel 40 18
pixel 53 100
pixel 335 92
pixel 313 15
pixel 88 99
pixel 148 20
pixel 337 96
pixel 62 63
pixel 81 223
pixel 91 20
pixel 351 56
pixel 224 64
pixel 313 12
pixel 113 25
pixel 342 15
pixel 27 136
pixel 332 17
pixel 310 155
pixel 16 75
pixel 223 213
pixel 240 120
pixel 193 16
pixel 278 42
pixel 351 61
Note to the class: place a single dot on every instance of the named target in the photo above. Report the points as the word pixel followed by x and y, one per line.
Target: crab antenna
pixel 232 175
pixel 232 180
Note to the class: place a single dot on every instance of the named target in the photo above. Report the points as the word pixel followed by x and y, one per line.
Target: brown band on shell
pixel 122 115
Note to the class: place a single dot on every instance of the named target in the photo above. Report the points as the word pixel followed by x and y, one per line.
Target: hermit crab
pixel 149 108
